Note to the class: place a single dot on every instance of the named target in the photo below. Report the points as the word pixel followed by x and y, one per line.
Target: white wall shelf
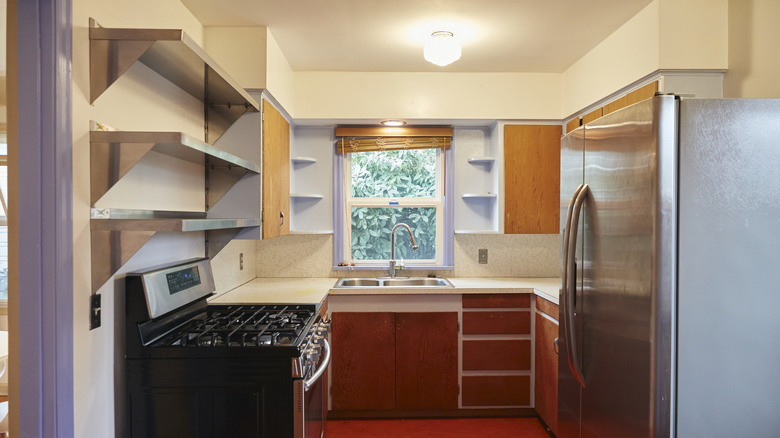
pixel 303 160
pixel 305 196
pixel 481 160
pixel 479 196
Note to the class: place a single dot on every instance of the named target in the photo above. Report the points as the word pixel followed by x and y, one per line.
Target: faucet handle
pixel 399 264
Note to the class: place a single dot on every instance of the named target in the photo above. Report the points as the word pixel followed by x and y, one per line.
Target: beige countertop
pixel 314 290
pixel 278 291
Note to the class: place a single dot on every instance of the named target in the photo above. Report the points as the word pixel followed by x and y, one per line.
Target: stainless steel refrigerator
pixel 670 299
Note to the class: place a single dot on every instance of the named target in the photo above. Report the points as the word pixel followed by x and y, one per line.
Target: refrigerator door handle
pixel 564 299
pixel 571 283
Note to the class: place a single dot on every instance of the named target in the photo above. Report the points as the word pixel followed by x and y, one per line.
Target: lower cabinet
pixel 385 361
pixel 496 350
pixel 546 363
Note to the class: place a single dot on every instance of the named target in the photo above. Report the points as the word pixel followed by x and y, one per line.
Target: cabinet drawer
pixel 496 390
pixel 496 300
pixel 547 307
pixel 497 355
pixel 497 323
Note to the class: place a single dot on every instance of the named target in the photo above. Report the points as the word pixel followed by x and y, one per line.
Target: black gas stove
pixel 201 370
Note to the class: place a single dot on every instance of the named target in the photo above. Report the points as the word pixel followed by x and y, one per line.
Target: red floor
pixel 454 428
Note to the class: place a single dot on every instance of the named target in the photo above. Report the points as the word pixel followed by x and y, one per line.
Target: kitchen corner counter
pixel 315 290
pixel 278 291
pixel 544 287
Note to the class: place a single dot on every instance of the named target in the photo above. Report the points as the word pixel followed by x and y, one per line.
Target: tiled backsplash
pixel 509 255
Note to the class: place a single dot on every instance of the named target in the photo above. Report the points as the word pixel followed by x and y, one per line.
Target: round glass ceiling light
pixel 441 48
pixel 393 122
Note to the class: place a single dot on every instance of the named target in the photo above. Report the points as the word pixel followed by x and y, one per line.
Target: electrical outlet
pixel 241 261
pixel 483 257
pixel 94 311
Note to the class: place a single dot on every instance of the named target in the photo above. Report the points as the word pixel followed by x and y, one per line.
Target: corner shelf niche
pixel 176 57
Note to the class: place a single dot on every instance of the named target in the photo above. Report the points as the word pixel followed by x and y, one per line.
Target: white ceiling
pixel 388 35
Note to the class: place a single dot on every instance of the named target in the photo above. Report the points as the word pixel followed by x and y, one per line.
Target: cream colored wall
pixel 666 34
pixel 241 51
pixel 280 77
pixel 625 56
pixel 693 34
pixel 375 95
pixel 139 100
pixel 754 38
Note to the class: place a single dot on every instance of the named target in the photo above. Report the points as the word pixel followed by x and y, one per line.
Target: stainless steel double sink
pixel 394 282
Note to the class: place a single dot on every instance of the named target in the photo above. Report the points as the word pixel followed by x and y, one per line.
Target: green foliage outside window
pixel 393 174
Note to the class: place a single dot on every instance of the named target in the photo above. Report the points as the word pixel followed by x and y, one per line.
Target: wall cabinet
pixel 276 172
pixel 546 363
pixel 384 361
pixel 531 179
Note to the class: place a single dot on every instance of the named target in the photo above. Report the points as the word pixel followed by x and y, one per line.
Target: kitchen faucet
pixel 393 263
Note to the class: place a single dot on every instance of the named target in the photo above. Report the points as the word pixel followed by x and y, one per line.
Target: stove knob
pixel 322 330
pixel 313 354
pixel 317 339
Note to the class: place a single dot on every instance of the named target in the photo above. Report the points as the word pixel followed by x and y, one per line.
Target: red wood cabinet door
pixel 546 367
pixel 426 360
pixel 363 361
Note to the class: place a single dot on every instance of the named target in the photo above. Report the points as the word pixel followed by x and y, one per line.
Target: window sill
pixel 384 268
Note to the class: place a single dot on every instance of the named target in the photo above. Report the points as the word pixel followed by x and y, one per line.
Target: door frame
pixel 40 218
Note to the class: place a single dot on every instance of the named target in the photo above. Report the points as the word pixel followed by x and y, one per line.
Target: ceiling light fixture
pixel 442 48
pixel 393 122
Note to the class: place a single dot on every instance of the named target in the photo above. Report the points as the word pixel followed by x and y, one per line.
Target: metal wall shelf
pixel 114 153
pixel 176 57
pixel 117 234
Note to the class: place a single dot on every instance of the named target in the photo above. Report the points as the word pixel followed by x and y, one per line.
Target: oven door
pixel 310 404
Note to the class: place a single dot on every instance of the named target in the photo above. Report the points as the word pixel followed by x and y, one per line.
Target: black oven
pixel 200 370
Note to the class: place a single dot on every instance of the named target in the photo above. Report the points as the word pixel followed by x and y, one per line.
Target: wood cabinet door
pixel 546 372
pixel 532 159
pixel 276 173
pixel 363 362
pixel 426 360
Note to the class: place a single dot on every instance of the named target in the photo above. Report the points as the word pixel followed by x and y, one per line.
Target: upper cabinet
pixel 531 178
pixel 276 172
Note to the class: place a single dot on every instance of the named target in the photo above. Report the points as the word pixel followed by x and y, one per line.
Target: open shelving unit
pixel 117 234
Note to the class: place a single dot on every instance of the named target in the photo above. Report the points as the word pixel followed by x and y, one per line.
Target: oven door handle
pixel 320 369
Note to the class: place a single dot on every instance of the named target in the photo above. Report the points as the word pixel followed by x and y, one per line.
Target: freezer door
pixel 572 148
pixel 729 330
pixel 623 267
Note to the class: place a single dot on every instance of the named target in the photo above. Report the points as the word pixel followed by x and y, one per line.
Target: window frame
pixel 343 203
